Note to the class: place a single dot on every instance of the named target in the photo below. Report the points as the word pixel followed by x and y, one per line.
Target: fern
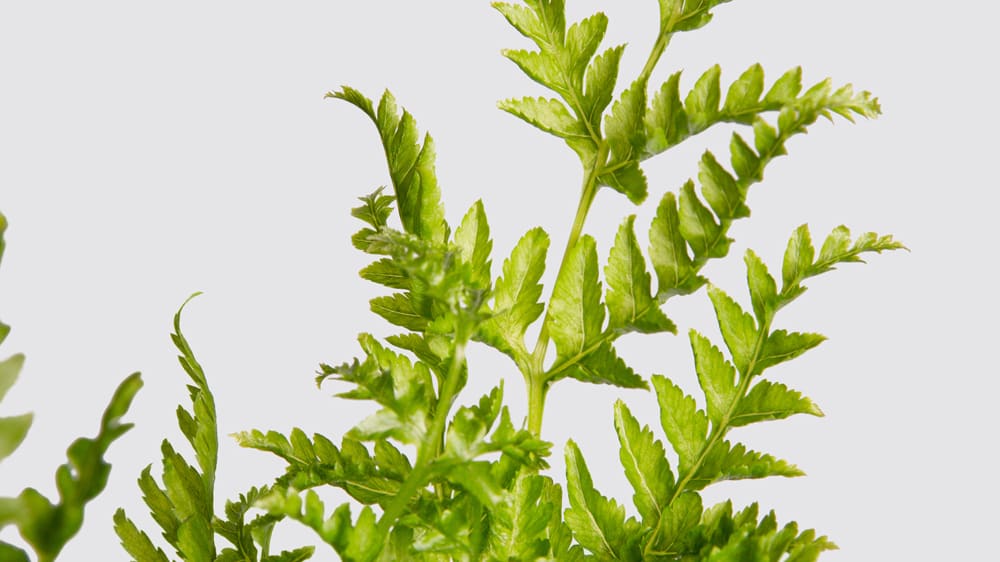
pixel 44 525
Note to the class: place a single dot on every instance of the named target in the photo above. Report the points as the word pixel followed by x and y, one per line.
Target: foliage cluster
pixel 434 476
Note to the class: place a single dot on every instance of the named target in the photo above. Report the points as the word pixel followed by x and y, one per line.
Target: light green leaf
pixel 686 426
pixel 13 430
pixel 10 368
pixel 411 165
pixel 666 121
pixel 785 89
pixel 624 127
pixel 516 294
pixel 738 329
pixel 744 93
pixel 386 272
pixel 716 376
pixel 398 309
pixel 598 523
pixel 137 543
pixel 772 401
pixel 576 315
pixel 782 346
pixel 676 526
pixel 720 189
pixel 735 462
pixel 798 258
pixel 582 41
pixel 603 366
pixel 702 103
pixel 698 226
pixel 631 307
pixel 602 74
pixel 547 114
pixel 744 160
pixel 645 463
pixel 668 251
pixel 519 533
pixel 629 180
pixel 473 240
pixel 763 289
pixel 375 209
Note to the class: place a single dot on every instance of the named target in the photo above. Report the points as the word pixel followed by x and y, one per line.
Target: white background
pixel 149 150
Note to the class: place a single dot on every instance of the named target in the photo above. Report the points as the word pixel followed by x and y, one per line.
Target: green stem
pixel 432 443
pixel 536 379
pixel 654 57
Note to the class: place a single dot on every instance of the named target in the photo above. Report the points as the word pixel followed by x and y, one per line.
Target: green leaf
pixel 716 376
pixel 771 401
pixel 136 542
pixel 668 251
pixel 782 346
pixel 645 463
pixel 698 226
pixel 631 307
pixel 746 163
pixel 9 552
pixel 516 294
pixel 629 180
pixel 677 525
pixel 798 258
pixel 411 165
pixel 375 209
pixel 666 121
pixel 725 461
pixel 576 315
pixel 624 126
pixel 583 38
pixel 519 533
pixel 473 240
pixel 763 289
pixel 549 115
pixel 602 74
pixel 13 430
pixel 738 329
pixel 398 309
pixel 744 94
pixel 785 89
pixel 686 426
pixel 386 272
pixel 702 103
pixel 679 15
pixel 603 366
pixel 10 368
pixel 721 189
pixel 598 523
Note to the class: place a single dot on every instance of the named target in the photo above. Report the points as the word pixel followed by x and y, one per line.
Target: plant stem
pixel 536 380
pixel 432 443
